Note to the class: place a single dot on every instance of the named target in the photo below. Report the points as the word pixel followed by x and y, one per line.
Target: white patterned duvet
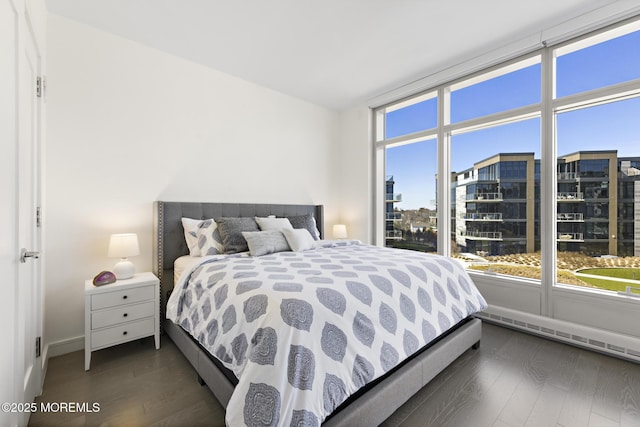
pixel 302 331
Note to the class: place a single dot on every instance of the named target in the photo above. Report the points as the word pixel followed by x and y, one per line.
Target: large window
pixel 415 115
pixel 595 62
pixel 410 196
pixel 510 87
pixel 597 197
pixel 494 209
pixel 598 142
pixel 495 131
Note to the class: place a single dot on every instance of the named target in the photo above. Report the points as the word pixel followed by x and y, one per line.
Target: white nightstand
pixel 119 312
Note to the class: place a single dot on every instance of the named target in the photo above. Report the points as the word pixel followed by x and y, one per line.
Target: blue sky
pixel 605 127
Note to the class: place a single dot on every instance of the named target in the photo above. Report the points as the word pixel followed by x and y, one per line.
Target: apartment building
pixel 391 216
pixel 497 204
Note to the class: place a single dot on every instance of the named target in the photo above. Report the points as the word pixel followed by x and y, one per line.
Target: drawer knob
pixel 124 297
pixel 125 315
pixel 124 333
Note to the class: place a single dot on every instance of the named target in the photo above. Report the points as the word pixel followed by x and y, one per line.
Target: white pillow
pixel 273 223
pixel 209 240
pixel 191 235
pixel 299 239
pixel 265 242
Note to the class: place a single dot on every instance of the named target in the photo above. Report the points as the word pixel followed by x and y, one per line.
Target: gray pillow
pixel 231 232
pixel 307 222
pixel 265 242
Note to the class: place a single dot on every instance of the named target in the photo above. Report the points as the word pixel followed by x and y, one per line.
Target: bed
pixel 401 367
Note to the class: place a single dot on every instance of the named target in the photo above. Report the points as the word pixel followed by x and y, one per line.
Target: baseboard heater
pixel 611 343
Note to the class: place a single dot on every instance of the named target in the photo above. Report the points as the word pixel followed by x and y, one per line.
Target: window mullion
pixel 594 97
pixel 548 185
pixel 444 174
pixel 379 165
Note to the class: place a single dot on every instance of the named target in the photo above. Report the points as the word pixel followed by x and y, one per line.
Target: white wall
pixel 355 160
pixel 128 125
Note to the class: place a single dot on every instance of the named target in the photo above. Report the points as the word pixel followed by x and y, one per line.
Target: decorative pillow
pixel 299 239
pixel 231 232
pixel 191 227
pixel 209 240
pixel 307 222
pixel 265 242
pixel 273 223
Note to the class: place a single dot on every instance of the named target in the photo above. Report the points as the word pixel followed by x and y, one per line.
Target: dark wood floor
pixel 514 379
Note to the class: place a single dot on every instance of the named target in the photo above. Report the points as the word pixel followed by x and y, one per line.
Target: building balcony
pixel 483 216
pixel 571 197
pixel 392 197
pixel 485 197
pixel 567 176
pixel 393 235
pixel 570 217
pixel 393 216
pixel 482 235
pixel 571 237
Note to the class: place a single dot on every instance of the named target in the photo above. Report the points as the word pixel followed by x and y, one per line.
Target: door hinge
pixel 39 88
pixel 38 217
pixel 38 350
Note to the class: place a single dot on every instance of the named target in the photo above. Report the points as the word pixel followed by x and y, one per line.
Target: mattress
pixel 184 263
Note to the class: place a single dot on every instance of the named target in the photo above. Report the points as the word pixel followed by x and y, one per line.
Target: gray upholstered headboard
pixel 168 236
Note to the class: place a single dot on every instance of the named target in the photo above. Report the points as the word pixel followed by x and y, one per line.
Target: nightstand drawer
pixel 122 333
pixel 126 296
pixel 128 313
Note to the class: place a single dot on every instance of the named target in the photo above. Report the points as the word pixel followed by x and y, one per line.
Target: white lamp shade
pixel 123 245
pixel 339 231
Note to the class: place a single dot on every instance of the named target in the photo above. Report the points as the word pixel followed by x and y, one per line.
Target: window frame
pixel 547 110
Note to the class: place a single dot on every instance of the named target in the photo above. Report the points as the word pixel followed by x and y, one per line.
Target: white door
pixel 20 115
pixel 29 314
pixel 8 187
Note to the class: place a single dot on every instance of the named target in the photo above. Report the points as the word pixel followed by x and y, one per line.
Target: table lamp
pixel 123 246
pixel 339 231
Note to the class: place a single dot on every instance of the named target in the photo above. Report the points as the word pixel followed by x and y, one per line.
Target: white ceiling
pixel 334 53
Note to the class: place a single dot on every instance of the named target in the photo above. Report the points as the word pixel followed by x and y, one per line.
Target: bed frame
pixel 369 408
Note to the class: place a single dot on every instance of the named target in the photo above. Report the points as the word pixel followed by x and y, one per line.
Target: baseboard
pixel 45 366
pixel 603 341
pixel 58 348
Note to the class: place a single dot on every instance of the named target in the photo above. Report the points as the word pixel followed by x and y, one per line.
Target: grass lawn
pixel 568 277
pixel 531 273
pixel 605 284
pixel 528 265
pixel 619 273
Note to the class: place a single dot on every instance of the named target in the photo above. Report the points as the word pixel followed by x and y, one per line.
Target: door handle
pixel 24 254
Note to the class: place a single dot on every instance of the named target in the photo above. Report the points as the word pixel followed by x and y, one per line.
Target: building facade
pixel 497 204
pixel 391 215
pixel 629 206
